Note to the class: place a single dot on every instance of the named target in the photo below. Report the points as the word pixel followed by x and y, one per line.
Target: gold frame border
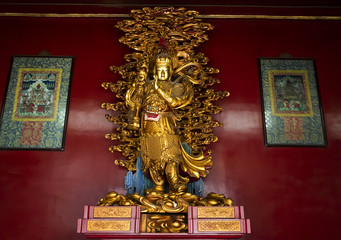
pixel 211 16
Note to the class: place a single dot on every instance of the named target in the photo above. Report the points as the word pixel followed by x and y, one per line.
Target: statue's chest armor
pixel 153 102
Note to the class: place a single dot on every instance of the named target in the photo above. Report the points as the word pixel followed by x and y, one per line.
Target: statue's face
pixel 142 76
pixel 163 69
pixel 162 73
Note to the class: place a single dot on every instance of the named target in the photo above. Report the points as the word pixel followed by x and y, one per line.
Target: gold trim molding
pixel 65 15
pixel 207 16
pixel 271 17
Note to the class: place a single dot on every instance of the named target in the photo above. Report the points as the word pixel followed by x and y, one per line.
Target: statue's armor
pixel 151 106
pixel 160 141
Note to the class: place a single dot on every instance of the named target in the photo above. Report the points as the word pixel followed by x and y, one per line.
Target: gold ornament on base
pixel 165 105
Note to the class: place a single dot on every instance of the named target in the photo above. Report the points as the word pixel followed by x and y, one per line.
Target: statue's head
pixel 142 75
pixel 163 68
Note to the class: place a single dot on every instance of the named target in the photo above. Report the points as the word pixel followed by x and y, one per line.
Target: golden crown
pixel 163 61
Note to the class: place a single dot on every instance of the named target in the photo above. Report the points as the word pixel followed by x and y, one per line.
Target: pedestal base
pixel 124 222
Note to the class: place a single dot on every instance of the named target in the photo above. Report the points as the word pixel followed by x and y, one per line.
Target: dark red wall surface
pixel 289 193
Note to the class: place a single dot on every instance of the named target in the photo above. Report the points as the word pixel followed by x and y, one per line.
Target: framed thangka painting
pixel 291 104
pixel 35 107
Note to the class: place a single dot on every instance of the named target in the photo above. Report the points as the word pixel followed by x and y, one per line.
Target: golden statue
pixel 165 109
pixel 153 106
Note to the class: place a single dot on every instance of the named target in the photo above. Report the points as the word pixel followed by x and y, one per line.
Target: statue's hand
pixel 155 84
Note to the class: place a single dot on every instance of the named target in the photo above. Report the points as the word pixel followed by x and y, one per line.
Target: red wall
pixel 288 193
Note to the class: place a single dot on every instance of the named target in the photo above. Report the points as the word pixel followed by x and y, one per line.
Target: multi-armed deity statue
pixel 165 105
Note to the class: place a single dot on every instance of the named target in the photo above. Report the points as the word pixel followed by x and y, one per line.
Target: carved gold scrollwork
pixel 165 223
pixel 155 202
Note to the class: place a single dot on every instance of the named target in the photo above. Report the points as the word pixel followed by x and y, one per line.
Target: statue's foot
pixel 179 189
pixel 159 189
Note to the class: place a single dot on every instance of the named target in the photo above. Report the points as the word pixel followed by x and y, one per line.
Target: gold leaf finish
pixel 108 225
pixel 165 99
pixel 206 16
pixel 218 226
pixel 216 212
pixel 165 103
pixel 112 212
pixel 154 202
pixel 161 223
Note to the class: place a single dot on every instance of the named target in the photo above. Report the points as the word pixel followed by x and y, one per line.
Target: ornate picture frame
pixel 36 103
pixel 291 103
